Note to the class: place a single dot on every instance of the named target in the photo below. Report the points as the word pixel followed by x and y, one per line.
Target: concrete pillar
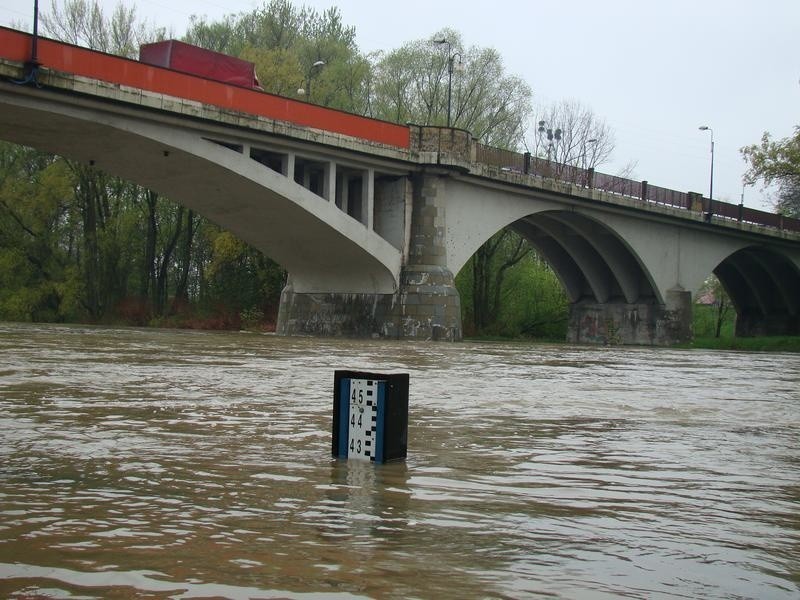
pixel 749 324
pixel 368 198
pixel 287 165
pixel 429 305
pixel 426 305
pixel 329 182
pixel 643 323
pixel 344 194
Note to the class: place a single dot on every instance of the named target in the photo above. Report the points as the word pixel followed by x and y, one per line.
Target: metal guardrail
pixel 589 178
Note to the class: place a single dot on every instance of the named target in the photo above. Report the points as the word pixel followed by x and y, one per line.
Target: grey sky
pixel 655 71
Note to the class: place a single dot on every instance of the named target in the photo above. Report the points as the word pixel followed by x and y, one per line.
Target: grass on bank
pixel 706 321
pixel 781 343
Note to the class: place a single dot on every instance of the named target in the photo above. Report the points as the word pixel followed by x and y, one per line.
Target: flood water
pixel 177 464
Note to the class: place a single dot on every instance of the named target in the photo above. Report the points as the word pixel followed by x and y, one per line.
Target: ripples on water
pixel 162 464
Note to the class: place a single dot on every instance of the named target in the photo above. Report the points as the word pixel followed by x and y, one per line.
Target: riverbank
pixel 787 343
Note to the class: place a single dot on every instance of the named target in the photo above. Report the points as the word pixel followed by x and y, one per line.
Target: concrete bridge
pixel 372 220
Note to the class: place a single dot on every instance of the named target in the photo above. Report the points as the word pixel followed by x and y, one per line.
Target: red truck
pixel 194 60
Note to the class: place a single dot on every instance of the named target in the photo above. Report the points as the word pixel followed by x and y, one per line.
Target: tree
pixel 410 84
pixel 777 162
pixel 584 141
pixel 507 289
pixel 489 265
pixel 36 229
pixel 571 137
pixel 285 42
pixel 84 23
pixel 713 295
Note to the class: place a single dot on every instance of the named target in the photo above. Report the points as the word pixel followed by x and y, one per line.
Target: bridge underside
pixel 764 287
pixel 322 239
pixel 612 298
pixel 372 253
pixel 427 304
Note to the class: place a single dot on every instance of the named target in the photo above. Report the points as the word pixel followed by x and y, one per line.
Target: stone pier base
pixel 646 324
pixel 748 325
pixel 427 307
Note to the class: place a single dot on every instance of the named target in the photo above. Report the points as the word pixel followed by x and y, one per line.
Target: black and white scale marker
pixel 370 416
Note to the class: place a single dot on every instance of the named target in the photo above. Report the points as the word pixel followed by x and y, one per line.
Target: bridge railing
pixel 613 184
pixel 665 196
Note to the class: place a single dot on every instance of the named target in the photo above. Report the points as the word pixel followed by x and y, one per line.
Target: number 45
pixel 360 396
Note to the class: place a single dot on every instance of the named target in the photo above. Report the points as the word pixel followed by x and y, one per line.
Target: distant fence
pixel 642 190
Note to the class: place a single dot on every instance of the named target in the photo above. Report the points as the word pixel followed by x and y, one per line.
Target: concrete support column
pixel 426 305
pixel 344 191
pixel 287 165
pixel 643 323
pixel 751 325
pixel 368 198
pixel 429 305
pixel 329 182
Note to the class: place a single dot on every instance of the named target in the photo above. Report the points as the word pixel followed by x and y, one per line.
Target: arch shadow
pixel 764 288
pixel 592 261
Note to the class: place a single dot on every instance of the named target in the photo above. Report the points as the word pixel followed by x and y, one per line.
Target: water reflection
pixel 155 464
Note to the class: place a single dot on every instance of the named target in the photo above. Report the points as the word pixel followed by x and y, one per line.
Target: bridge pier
pixel 749 324
pixel 426 304
pixel 427 307
pixel 646 324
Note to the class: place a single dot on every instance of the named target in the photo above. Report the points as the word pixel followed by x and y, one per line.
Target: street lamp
pixel 307 92
pixel 592 141
pixel 551 134
pixel 711 184
pixel 450 66
pixel 31 66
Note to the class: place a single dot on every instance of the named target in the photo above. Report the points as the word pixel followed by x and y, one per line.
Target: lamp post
pixel 31 66
pixel 307 92
pixel 551 134
pixel 711 184
pixel 450 66
pixel 35 43
pixel 592 141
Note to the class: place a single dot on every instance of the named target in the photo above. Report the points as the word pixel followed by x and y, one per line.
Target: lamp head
pixel 704 128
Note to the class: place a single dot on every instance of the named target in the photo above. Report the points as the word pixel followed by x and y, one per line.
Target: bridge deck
pixel 16 46
pixel 392 139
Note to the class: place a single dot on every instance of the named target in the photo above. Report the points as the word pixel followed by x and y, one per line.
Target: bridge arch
pixel 764 287
pixel 592 261
pixel 323 246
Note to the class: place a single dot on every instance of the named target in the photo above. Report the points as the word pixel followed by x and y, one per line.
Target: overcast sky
pixel 655 71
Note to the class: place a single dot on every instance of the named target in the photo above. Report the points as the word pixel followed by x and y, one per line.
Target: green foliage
pixel 535 304
pixel 285 42
pixel 708 324
pixel 410 84
pixel 33 217
pixel 713 312
pixel 777 162
pixel 79 244
pixel 507 290
pixel 241 278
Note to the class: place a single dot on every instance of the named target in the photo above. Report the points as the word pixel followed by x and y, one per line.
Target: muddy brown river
pixel 175 464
